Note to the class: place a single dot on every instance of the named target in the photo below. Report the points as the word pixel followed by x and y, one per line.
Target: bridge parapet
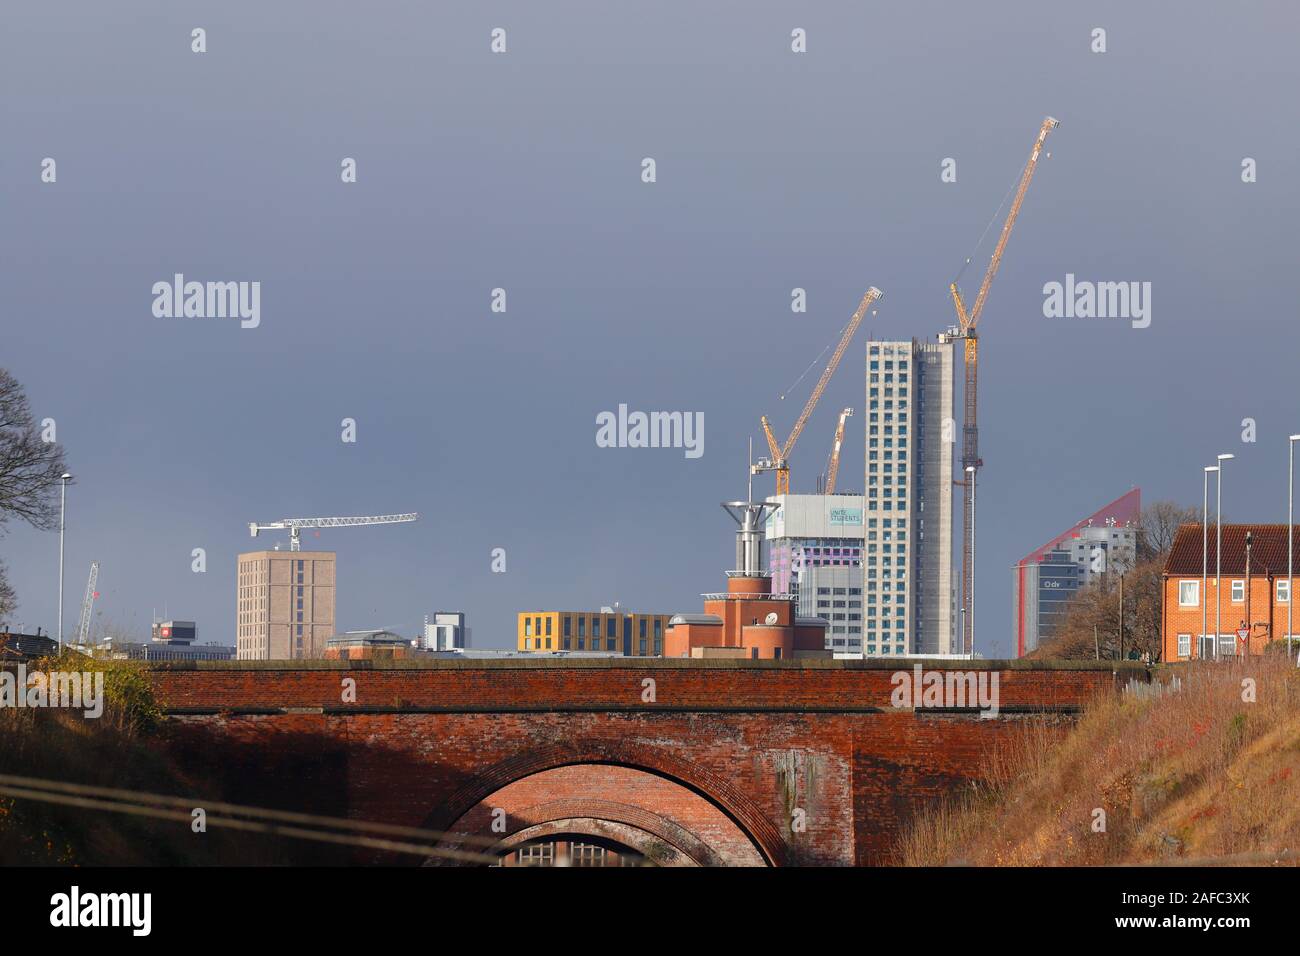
pixel 611 684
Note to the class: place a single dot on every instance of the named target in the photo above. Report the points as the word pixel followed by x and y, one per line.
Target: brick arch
pixel 720 792
pixel 577 814
pixel 628 837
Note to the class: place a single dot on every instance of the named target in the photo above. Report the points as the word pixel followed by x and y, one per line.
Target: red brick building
pixel 749 620
pixel 1264 591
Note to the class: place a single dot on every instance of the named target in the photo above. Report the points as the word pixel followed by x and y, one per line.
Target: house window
pixel 1238 592
pixel 1284 591
pixel 1189 593
pixel 1184 645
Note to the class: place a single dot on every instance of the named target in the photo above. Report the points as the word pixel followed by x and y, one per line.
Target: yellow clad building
pixel 634 635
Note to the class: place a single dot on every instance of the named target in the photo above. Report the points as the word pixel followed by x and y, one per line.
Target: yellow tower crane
pixel 970 457
pixel 780 460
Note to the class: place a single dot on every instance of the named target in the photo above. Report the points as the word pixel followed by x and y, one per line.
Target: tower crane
pixel 83 626
pixel 970 457
pixel 295 525
pixel 835 452
pixel 780 454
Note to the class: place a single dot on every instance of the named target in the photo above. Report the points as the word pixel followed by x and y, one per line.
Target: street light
pixel 970 611
pixel 1290 545
pixel 1218 554
pixel 63 509
pixel 1205 547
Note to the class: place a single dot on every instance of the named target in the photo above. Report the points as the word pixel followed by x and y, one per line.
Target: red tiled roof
pixel 1267 553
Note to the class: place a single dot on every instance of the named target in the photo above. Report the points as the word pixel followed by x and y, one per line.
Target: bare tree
pixel 30 470
pixel 1158 525
pixel 8 600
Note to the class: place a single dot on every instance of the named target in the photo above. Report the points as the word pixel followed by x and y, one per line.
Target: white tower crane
pixel 295 525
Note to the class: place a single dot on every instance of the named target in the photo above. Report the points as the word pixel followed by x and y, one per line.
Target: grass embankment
pixel 1196 773
pixel 118 749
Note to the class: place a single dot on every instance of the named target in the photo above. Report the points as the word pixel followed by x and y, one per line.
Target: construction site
pixel 878 564
pixel 885 568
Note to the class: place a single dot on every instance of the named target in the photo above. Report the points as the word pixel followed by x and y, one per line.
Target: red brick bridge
pixel 709 762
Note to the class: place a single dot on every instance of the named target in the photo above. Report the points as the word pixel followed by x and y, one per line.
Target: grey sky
pixel 522 170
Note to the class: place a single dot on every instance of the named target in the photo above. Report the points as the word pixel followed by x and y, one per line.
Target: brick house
pixel 1265 591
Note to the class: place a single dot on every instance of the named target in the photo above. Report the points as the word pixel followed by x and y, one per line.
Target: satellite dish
pixel 771 618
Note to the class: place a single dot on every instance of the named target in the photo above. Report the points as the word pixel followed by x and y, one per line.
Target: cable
pixel 987 225
pixel 120 801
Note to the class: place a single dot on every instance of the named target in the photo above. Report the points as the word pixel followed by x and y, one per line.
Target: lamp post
pixel 1205 550
pixel 1250 539
pixel 63 510
pixel 970 611
pixel 1290 544
pixel 1218 554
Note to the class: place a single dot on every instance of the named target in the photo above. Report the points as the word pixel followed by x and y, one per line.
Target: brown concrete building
pixel 285 604
pixel 1263 591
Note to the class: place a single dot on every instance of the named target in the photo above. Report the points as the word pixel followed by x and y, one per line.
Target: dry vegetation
pixel 117 749
pixel 1192 774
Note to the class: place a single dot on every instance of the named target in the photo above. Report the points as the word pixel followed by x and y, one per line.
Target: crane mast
pixel 780 454
pixel 970 457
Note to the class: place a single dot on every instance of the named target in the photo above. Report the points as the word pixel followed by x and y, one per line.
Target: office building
pixel 151 650
pixel 446 632
pixel 1044 581
pixel 285 604
pixel 908 584
pixel 814 548
pixel 635 635
pixel 174 632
